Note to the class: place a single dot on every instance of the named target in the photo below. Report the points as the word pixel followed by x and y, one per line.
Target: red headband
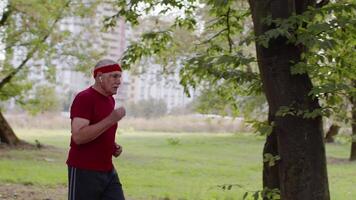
pixel 107 68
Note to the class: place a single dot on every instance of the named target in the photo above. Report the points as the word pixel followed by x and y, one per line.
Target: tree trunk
pixel 332 132
pixel 353 125
pixel 302 173
pixel 7 135
pixel 270 173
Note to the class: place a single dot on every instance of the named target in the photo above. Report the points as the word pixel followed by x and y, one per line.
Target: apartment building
pixel 135 87
pixel 111 42
pixel 154 84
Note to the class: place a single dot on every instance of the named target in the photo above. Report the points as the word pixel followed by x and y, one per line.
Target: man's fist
pixel 118 150
pixel 117 114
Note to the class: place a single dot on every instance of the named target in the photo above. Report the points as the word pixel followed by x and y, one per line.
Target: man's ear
pixel 99 75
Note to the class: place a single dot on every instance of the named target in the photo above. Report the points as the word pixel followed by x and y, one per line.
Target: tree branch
pixel 7 47
pixel 228 30
pixel 5 16
pixel 30 54
pixel 240 75
pixel 214 36
pixel 322 3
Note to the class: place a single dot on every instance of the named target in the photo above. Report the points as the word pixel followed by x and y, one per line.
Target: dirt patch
pixel 45 152
pixel 31 192
pixel 13 191
pixel 26 146
pixel 22 145
pixel 335 160
pixel 9 191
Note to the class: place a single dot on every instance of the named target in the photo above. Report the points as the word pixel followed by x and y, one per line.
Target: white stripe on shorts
pixel 71 191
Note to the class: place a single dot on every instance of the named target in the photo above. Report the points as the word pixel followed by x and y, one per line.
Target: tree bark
pixel 332 132
pixel 270 173
pixel 302 173
pixel 353 126
pixel 7 135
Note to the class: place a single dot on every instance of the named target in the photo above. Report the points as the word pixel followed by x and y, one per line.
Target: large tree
pixel 33 43
pixel 298 141
pixel 291 37
pixel 331 61
pixel 327 36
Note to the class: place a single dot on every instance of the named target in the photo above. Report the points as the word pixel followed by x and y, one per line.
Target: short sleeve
pixel 82 107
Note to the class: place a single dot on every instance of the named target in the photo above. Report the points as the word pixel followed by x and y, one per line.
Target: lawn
pixel 169 166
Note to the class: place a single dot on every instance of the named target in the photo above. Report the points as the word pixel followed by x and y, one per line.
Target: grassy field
pixel 169 166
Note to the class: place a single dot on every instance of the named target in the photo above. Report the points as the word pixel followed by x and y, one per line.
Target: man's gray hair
pixel 104 62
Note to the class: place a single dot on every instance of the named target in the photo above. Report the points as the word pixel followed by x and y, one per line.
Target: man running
pixel 91 173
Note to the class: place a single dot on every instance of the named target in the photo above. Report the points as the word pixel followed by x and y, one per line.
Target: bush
pixel 168 123
pixel 147 108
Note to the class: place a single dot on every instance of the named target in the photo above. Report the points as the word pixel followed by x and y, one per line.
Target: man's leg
pixel 113 191
pixel 83 184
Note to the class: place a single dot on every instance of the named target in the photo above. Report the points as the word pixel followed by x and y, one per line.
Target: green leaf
pixel 267 157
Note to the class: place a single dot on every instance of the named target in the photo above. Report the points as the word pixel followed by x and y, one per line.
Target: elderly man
pixel 94 119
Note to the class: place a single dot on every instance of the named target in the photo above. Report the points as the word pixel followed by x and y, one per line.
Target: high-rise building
pixel 111 42
pixel 149 85
pixel 154 84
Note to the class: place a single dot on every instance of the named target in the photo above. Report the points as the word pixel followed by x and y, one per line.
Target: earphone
pixel 101 80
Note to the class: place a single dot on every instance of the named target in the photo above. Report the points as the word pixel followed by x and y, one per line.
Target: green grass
pixel 176 166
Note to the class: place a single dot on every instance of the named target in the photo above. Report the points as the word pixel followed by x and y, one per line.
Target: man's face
pixel 111 82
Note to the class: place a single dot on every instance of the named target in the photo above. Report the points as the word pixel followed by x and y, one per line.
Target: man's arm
pixel 83 133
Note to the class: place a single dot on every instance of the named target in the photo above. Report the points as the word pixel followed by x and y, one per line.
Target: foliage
pixel 187 109
pixel 36 45
pixel 16 87
pixel 219 58
pixel 210 102
pixel 43 99
pixel 270 159
pixel 147 108
pixel 261 127
pixel 173 141
pixel 222 102
pixel 266 193
pixel 209 51
pixel 329 36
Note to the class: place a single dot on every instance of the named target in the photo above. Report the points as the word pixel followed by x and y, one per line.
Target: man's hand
pixel 118 150
pixel 117 114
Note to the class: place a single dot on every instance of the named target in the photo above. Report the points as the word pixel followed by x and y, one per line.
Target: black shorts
pixel 94 185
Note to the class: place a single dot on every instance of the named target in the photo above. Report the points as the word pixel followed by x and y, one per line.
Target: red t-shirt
pixel 97 154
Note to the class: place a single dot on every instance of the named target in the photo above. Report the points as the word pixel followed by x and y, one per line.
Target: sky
pixel 171 14
pixel 2 46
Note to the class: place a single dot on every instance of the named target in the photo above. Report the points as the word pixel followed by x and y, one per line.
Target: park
pixel 192 100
